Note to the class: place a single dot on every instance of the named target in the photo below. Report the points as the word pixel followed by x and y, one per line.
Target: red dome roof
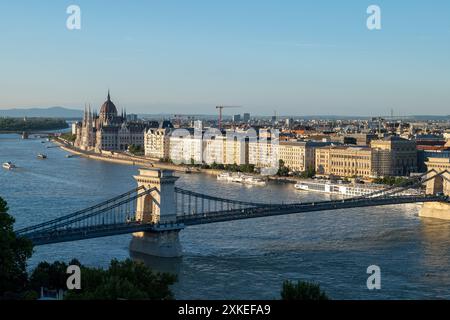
pixel 108 108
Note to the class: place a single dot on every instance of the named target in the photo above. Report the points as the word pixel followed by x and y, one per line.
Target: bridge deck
pixel 97 231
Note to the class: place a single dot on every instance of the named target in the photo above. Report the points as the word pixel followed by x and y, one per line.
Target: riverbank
pixel 124 159
pixel 130 160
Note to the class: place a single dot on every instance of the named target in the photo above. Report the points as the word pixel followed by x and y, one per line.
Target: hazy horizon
pixel 308 115
pixel 178 57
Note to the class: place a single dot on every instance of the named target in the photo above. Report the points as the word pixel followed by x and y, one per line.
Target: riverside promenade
pixel 130 160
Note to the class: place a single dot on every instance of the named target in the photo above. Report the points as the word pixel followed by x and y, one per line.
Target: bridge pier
pixel 157 244
pixel 159 207
pixel 435 210
pixel 439 185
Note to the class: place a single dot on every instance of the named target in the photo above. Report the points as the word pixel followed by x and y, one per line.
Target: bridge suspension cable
pixel 117 210
pixel 417 180
pixel 191 203
pixel 78 213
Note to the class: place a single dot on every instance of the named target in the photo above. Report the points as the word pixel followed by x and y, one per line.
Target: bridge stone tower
pixel 157 207
pixel 440 184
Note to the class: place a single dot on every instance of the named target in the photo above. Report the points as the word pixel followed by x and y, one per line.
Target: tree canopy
pixel 14 253
pixel 302 291
pixel 127 280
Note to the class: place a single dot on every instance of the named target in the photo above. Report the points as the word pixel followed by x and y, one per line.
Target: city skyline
pixel 199 152
pixel 179 58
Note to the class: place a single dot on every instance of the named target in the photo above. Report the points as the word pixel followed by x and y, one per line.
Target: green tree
pixel 302 291
pixel 392 181
pixel 14 252
pixel 69 137
pixel 216 166
pixel 283 171
pixel 308 174
pixel 247 168
pixel 136 150
pixel 127 280
pixel 50 276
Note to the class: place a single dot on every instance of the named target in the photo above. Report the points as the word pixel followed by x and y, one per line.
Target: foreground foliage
pixel 128 280
pixel 302 291
pixel 122 280
pixel 14 253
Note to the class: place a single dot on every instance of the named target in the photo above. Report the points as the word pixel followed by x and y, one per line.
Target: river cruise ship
pixel 347 190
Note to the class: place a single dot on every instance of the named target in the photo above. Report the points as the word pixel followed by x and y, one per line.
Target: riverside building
pixel 108 131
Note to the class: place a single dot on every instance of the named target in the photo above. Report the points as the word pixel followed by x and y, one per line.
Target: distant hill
pixel 53 112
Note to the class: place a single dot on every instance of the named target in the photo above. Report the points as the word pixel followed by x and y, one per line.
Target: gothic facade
pixel 108 131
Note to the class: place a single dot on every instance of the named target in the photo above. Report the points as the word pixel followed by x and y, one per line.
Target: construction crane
pixel 221 113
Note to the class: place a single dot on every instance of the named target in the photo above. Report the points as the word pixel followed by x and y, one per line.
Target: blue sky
pixel 298 57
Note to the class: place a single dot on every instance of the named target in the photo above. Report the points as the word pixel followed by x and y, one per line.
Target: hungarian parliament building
pixel 108 131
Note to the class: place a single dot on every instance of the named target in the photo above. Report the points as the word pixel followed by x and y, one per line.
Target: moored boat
pixel 241 178
pixel 254 181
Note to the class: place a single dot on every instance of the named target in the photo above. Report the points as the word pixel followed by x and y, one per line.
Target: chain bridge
pixel 157 210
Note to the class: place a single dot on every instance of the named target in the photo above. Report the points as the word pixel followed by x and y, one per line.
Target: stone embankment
pixel 125 159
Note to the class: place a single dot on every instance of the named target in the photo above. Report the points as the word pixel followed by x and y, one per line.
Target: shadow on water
pixel 434 236
pixel 170 265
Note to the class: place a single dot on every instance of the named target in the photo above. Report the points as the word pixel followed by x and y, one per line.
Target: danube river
pixel 244 259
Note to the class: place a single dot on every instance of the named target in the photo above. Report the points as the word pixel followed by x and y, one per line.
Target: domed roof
pixel 108 107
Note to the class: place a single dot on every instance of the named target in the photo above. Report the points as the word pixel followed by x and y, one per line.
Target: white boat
pixel 254 181
pixel 226 176
pixel 241 178
pixel 41 156
pixel 230 177
pixel 9 165
pixel 238 178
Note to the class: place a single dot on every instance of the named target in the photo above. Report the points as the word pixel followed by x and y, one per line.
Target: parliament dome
pixel 108 108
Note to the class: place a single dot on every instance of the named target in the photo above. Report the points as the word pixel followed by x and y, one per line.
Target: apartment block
pixel 157 143
pixel 394 156
pixel 344 162
pixel 263 153
pixel 186 148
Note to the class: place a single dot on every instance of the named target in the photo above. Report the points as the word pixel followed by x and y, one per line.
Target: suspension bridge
pixel 157 208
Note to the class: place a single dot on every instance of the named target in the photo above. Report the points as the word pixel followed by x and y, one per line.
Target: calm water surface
pixel 243 259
